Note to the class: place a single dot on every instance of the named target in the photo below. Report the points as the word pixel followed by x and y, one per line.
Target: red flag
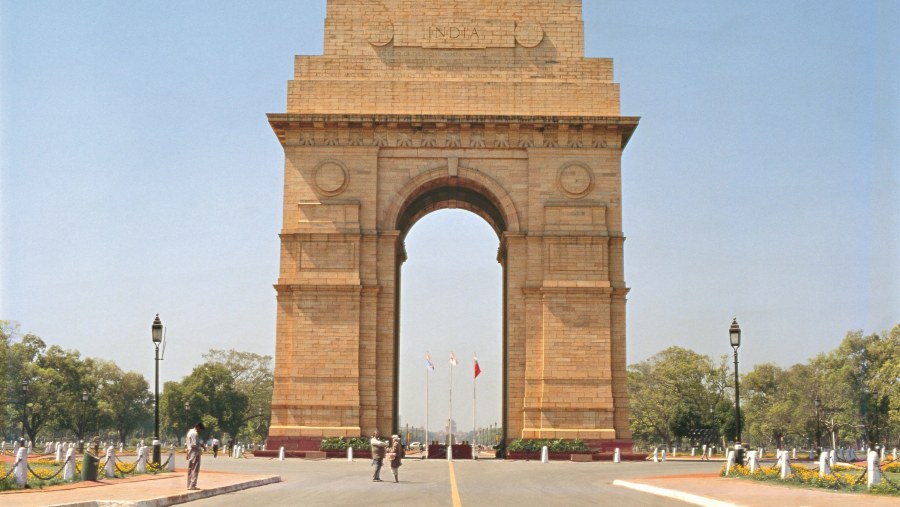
pixel 477 368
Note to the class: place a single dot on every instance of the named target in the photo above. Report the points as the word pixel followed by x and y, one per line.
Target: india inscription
pixel 381 130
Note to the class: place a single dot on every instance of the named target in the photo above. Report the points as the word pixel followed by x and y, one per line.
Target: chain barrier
pixel 158 468
pixel 889 481
pixel 861 478
pixel 47 478
pixel 10 472
pixel 129 468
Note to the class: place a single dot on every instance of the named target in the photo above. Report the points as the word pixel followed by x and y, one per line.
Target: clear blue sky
pixel 139 175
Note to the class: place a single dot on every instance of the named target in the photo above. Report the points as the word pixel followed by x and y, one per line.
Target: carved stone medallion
pixel 529 33
pixel 380 32
pixel 575 180
pixel 330 178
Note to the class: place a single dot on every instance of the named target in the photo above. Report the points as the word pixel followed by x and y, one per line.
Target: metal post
pixel 156 444
pixel 818 402
pixel 737 398
pixel 24 407
pixel 156 333
pixel 734 337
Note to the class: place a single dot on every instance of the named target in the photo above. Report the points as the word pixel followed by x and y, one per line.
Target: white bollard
pixel 30 447
pixel 545 454
pixel 22 466
pixel 656 455
pixel 729 462
pixel 874 475
pixel 617 456
pixel 449 453
pixel 350 454
pixel 674 452
pixel 794 453
pixel 693 451
pixel 171 458
pixel 281 453
pixel 121 447
pixel 831 458
pixel 894 454
pixel 662 455
pixel 785 466
pixel 881 457
pixel 710 452
pixel 824 464
pixel 142 460
pixel 69 467
pixel 59 453
pixel 110 462
pixel 753 460
pixel 3 448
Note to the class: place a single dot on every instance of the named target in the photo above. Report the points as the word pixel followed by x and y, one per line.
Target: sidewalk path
pixel 138 491
pixel 711 490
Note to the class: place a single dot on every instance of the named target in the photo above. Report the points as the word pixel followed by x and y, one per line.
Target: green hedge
pixel 535 445
pixel 341 444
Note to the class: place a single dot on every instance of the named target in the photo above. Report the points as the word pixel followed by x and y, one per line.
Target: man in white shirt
pixel 193 455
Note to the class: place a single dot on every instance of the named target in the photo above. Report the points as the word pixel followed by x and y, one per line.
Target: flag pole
pixel 474 408
pixel 450 422
pixel 426 409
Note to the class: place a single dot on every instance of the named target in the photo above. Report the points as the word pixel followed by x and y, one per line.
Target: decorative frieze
pixel 410 133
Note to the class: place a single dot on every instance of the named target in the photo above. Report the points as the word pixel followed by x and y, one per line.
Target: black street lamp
pixel 187 414
pixel 156 332
pixel 84 398
pixel 24 406
pixel 818 403
pixel 734 336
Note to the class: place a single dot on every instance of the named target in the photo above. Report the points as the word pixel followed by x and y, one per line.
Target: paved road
pixel 428 483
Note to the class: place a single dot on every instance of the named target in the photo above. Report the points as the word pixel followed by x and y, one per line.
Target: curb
pixel 176 499
pixel 673 494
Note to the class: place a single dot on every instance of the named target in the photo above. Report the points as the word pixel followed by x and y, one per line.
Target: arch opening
pixel 450 300
pixel 474 192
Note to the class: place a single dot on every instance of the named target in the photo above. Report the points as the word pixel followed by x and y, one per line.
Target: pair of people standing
pixel 380 449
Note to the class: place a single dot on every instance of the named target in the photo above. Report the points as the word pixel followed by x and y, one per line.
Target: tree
pixel 126 399
pixel 674 393
pixel 68 376
pixel 214 400
pixel 27 371
pixel 861 369
pixel 254 377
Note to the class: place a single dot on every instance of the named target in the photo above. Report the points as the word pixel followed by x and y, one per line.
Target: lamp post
pixel 818 403
pixel 156 331
pixel 24 406
pixel 84 398
pixel 734 336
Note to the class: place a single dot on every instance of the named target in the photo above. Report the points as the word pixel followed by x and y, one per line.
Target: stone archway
pixel 395 121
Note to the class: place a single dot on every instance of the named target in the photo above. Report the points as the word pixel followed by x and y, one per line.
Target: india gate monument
pixel 483 105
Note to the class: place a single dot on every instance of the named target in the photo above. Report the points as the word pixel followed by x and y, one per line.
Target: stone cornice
pixel 440 131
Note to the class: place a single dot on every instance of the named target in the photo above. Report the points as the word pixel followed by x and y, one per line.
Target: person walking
pixel 215 446
pixel 396 456
pixel 379 448
pixel 193 454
